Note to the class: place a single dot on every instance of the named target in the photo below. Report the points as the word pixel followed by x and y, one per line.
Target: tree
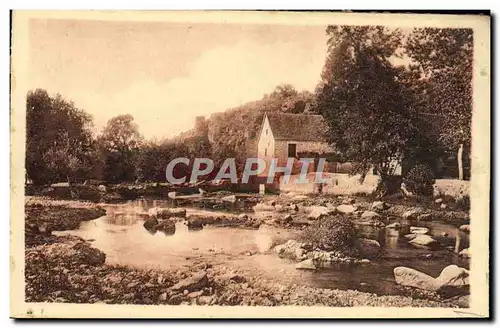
pixel 362 100
pixel 120 142
pixel 59 143
pixel 443 58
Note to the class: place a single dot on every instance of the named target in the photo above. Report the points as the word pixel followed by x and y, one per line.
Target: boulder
pixel 348 201
pixel 150 223
pixel 167 226
pixel 412 278
pixel 419 230
pixel 395 225
pixel 368 247
pixel 465 227
pixel 346 209
pixel 292 249
pixel 193 283
pixel 101 188
pixel 453 276
pixel 315 212
pixel 412 214
pixel 306 265
pixel 369 215
pixel 229 199
pixel 423 240
pixel 379 206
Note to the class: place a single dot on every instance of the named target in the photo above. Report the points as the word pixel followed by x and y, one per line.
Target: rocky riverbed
pixel 69 269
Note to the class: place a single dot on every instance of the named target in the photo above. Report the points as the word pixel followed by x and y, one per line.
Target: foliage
pixel 119 144
pixel 443 58
pixel 368 110
pixel 59 139
pixel 420 180
pixel 335 232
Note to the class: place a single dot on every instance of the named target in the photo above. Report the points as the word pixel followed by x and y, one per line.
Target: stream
pixel 121 235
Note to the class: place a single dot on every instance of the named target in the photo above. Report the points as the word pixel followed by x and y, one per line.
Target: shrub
pixel 420 180
pixel 329 233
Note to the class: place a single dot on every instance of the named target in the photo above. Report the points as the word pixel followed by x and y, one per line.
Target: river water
pixel 121 235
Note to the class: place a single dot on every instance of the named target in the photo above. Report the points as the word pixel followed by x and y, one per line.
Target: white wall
pixel 266 141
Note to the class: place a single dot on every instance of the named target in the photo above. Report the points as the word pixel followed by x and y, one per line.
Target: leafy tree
pixel 360 95
pixel 59 143
pixel 119 144
pixel 443 60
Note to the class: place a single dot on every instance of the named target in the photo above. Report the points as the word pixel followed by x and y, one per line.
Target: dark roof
pixel 299 127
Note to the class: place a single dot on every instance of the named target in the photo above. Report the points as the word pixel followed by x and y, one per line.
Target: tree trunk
pixel 460 162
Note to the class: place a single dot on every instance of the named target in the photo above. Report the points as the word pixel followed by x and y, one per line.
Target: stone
pixel 368 248
pixel 369 215
pixel 166 213
pixel 101 188
pixel 346 209
pixel 271 203
pixel 243 216
pixel 412 278
pixel 279 208
pixel 195 294
pixel 438 201
pixel 229 199
pixel 193 283
pixel 379 205
pixel 348 201
pixel 419 230
pixel 465 253
pixel 395 225
pixel 465 227
pixel 424 217
pixel 294 207
pixel 306 265
pixel 172 195
pixel 412 214
pixel 315 212
pixel 443 206
pixel 423 240
pixel 287 218
pixel 292 249
pixel 263 208
pixel 163 297
pixel 453 276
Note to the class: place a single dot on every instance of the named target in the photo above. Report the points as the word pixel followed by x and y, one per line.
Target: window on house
pixel 292 150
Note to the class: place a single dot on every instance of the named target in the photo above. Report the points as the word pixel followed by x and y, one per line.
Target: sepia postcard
pixel 249 165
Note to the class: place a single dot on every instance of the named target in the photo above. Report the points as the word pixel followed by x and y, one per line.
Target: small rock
pixel 195 294
pixel 443 206
pixel 369 215
pixel 172 195
pixel 192 283
pixel 395 225
pixel 315 212
pixel 163 297
pixel 368 247
pixel 423 240
pixel 229 199
pixel 465 228
pixel 412 278
pixel 412 214
pixel 379 206
pixel 419 230
pixel 438 201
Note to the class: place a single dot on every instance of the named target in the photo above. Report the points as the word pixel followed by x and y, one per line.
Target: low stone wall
pixel 338 184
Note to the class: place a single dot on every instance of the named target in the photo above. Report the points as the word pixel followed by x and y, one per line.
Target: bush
pixel 420 180
pixel 329 233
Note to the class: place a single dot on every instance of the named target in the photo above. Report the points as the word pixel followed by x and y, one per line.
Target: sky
pixel 166 74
